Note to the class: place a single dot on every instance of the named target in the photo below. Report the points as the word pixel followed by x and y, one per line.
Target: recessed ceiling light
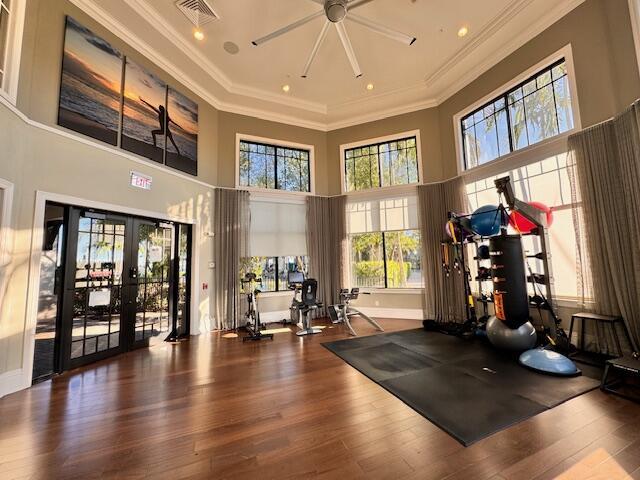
pixel 286 88
pixel 463 31
pixel 198 35
pixel 370 86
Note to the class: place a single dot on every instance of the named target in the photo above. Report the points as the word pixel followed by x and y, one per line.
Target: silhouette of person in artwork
pixel 165 123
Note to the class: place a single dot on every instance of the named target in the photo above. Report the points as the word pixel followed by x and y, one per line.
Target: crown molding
pixel 176 37
pixel 494 25
pixel 378 104
pixel 561 9
pixel 114 26
pixel 382 114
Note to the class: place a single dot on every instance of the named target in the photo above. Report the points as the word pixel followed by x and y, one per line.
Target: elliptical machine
pixel 342 312
pixel 253 325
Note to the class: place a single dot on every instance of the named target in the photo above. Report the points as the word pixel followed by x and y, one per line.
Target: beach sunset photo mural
pixel 182 132
pixel 144 117
pixel 151 119
pixel 90 88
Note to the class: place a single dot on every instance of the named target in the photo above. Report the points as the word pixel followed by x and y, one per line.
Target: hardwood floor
pixel 214 407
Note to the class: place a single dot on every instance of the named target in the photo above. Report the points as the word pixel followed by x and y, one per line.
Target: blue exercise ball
pixel 486 221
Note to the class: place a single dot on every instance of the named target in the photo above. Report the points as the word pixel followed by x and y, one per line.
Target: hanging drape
pixel 231 241
pixel 604 166
pixel 327 246
pixel 444 296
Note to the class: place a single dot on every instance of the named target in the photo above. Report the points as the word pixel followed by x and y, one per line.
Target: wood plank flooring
pixel 216 408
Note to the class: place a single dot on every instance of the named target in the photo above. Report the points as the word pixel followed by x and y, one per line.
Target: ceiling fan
pixel 336 11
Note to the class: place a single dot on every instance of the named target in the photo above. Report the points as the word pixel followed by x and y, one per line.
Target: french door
pixel 119 281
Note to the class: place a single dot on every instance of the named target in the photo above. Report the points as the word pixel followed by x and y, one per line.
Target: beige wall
pixel 35 159
pixel 41 68
pixel 40 84
pixel 599 32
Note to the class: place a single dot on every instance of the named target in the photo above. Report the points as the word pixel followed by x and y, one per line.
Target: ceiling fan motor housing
pixel 336 10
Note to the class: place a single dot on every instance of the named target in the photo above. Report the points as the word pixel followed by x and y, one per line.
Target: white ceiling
pixel 405 77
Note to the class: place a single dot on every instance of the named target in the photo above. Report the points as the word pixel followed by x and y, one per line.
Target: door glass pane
pixel 98 286
pixel 183 279
pixel 154 261
pixel 50 285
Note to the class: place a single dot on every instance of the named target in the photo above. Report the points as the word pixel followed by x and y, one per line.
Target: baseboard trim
pixel 11 382
pixel 399 313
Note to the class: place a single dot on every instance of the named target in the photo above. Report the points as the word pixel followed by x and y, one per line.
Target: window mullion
pixel 384 259
pixel 509 122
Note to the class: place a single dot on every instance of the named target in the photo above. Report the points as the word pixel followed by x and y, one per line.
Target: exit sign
pixel 140 180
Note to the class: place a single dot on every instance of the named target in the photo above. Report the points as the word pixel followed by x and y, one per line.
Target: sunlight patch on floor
pixel 598 464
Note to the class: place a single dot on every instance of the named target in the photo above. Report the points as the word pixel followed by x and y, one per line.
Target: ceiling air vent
pixel 199 12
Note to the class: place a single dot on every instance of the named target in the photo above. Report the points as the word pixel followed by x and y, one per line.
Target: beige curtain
pixel 444 296
pixel 231 240
pixel 604 166
pixel 327 246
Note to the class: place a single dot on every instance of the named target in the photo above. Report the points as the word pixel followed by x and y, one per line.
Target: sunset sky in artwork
pixel 98 58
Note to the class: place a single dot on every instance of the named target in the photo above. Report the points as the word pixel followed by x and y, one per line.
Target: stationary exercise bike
pixel 342 312
pixel 253 325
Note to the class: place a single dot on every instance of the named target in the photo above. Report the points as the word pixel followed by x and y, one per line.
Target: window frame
pixel 530 151
pixel 270 142
pixel 378 141
pixel 278 291
pixel 11 67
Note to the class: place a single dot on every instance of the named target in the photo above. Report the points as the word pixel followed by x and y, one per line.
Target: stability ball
pixel 516 339
pixel 486 221
pixel 523 225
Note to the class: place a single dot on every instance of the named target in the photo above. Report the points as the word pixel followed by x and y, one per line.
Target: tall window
pixel 386 259
pixel 381 165
pixel 274 167
pixel 544 181
pixel 274 271
pixel 384 243
pixel 277 241
pixel 536 109
pixel 5 13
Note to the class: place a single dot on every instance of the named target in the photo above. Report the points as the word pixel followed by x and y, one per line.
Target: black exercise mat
pixel 466 387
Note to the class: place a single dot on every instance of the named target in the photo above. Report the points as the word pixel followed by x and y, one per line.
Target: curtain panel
pixel 327 246
pixel 231 244
pixel 604 166
pixel 444 296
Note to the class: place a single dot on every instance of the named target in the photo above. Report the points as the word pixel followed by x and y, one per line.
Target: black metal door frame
pixel 129 285
pixel 69 285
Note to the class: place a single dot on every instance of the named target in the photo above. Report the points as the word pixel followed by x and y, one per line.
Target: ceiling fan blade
pixel 320 2
pixel 348 48
pixel 316 47
pixel 288 28
pixel 357 3
pixel 382 30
